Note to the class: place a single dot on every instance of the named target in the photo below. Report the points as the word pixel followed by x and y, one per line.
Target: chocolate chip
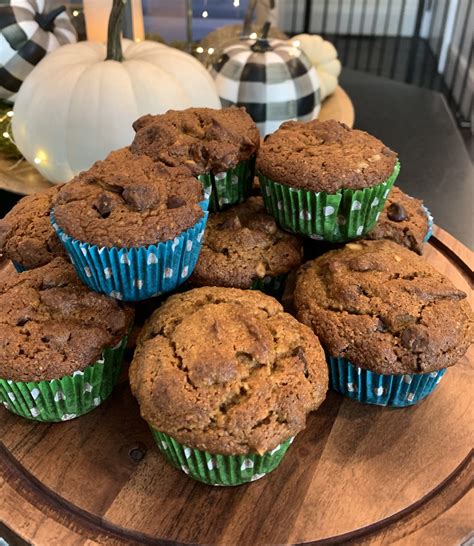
pixel 396 212
pixel 103 205
pixel 415 339
pixel 174 202
pixel 233 222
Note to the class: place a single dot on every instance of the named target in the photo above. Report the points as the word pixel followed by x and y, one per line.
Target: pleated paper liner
pixel 272 286
pixel 134 274
pixel 339 217
pixel 219 469
pixel 229 187
pixel 396 391
pixel 68 397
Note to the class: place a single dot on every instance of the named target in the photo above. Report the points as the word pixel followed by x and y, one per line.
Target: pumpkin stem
pixel 247 26
pixel 261 43
pixel 46 20
pixel 114 33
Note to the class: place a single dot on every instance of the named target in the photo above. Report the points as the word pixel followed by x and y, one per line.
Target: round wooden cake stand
pixel 22 178
pixel 358 473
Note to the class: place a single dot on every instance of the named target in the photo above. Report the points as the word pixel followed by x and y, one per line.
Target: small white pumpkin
pixel 76 106
pixel 323 56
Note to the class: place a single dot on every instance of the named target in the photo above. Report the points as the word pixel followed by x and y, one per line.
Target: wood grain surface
pixel 22 178
pixel 358 474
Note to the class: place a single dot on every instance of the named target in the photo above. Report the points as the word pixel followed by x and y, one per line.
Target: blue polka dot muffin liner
pixel 19 268
pixel 339 217
pixel 396 391
pixel 430 224
pixel 229 187
pixel 219 469
pixel 68 397
pixel 134 274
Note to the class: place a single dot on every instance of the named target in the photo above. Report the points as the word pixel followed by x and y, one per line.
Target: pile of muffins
pixel 225 377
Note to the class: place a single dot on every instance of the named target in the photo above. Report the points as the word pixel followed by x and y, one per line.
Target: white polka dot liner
pixel 396 391
pixel 68 397
pixel 339 217
pixel 229 187
pixel 214 469
pixel 134 274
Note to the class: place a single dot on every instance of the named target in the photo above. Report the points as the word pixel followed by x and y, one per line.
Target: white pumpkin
pixel 75 107
pixel 323 56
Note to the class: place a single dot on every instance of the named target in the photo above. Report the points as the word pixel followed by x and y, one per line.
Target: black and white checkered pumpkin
pixel 274 80
pixel 29 29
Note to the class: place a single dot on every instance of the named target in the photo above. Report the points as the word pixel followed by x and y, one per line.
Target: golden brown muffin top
pixel 128 200
pixel 52 325
pixel 383 308
pixel 202 139
pixel 324 156
pixel 227 371
pixel 244 244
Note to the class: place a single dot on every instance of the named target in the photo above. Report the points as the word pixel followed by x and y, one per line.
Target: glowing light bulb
pixel 10 113
pixel 37 160
pixel 200 49
pixel 75 13
pixel 236 3
pixel 211 50
pixel 6 135
pixel 205 14
pixel 253 36
pixel 296 43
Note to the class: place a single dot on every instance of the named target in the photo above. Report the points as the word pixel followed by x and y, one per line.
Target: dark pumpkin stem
pixel 114 33
pixel 247 26
pixel 46 20
pixel 262 44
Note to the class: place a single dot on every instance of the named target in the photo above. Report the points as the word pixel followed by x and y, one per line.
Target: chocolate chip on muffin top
pixel 227 371
pixel 202 139
pixel 383 308
pixel 243 244
pixel 26 234
pixel 324 156
pixel 128 200
pixel 52 325
pixel 403 220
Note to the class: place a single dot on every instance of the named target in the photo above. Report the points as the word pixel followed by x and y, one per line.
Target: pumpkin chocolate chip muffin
pixel 26 235
pixel 132 226
pixel 389 322
pixel 218 146
pixel 226 379
pixel 244 248
pixel 325 180
pixel 61 345
pixel 404 220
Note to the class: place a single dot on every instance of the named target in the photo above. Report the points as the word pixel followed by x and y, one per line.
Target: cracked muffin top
pixel 244 244
pixel 383 308
pixel 52 325
pixel 128 200
pixel 202 139
pixel 324 156
pixel 26 233
pixel 227 371
pixel 403 220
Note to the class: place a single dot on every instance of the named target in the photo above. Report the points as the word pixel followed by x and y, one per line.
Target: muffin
pixel 26 235
pixel 132 227
pixel 217 146
pixel 404 220
pixel 325 180
pixel 225 379
pixel 389 322
pixel 61 345
pixel 244 248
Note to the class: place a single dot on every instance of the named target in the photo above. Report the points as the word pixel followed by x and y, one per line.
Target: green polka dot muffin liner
pixel 219 469
pixel 395 391
pixel 68 397
pixel 272 286
pixel 229 187
pixel 339 217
